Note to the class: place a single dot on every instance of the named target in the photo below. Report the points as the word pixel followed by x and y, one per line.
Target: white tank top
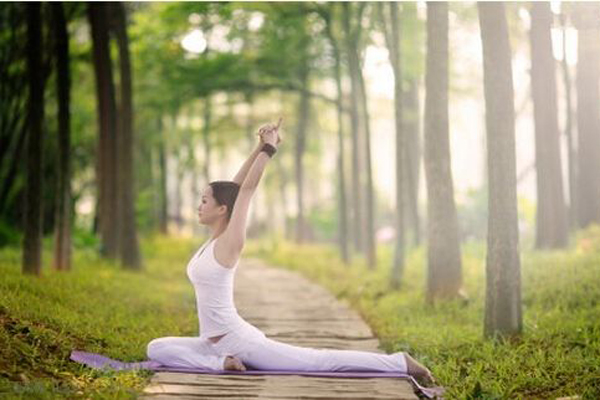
pixel 213 284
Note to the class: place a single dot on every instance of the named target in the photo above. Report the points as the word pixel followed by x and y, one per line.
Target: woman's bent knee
pixel 153 348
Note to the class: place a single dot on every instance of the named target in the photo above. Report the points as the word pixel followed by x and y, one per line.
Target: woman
pixel 227 341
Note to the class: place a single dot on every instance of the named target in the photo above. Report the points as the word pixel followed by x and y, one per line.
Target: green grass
pixel 99 307
pixel 557 355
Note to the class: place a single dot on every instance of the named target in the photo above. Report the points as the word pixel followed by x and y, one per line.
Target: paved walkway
pixel 291 309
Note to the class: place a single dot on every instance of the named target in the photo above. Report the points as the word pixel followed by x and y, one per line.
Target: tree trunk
pixel 551 219
pixel 128 245
pixel 303 115
pixel 444 269
pixel 353 65
pixel 62 234
pixel 370 206
pixel 569 128
pixel 571 153
pixel 9 178
pixel 283 197
pixel 588 115
pixel 14 81
pixel 392 36
pixel 162 167
pixel 343 208
pixel 206 137
pixel 109 218
pixel 503 270
pixel 412 157
pixel 32 241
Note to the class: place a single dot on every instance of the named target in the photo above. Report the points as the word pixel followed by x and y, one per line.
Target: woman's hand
pixel 271 137
pixel 268 130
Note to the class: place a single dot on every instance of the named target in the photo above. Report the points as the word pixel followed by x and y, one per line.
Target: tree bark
pixel 568 129
pixel 206 137
pixel 392 36
pixel 32 241
pixel 128 245
pixel 412 156
pixel 343 208
pixel 357 204
pixel 303 115
pixel 62 233
pixel 551 219
pixel 109 220
pixel 370 211
pixel 444 265
pixel 162 167
pixel 503 270
pixel 586 19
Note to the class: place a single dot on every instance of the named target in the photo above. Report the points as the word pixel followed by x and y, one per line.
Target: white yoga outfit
pixel 213 284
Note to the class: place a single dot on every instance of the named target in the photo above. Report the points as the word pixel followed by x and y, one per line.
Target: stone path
pixel 291 309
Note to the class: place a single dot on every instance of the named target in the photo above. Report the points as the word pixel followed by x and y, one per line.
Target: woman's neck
pixel 218 229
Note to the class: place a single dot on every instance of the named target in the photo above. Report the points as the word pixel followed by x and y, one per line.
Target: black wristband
pixel 269 149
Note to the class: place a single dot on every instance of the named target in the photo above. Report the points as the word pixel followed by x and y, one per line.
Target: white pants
pixel 261 353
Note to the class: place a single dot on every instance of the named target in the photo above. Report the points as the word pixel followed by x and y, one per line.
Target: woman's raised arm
pixel 235 234
pixel 241 175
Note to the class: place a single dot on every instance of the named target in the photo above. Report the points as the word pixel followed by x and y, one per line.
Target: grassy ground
pixel 101 308
pixel 97 307
pixel 558 354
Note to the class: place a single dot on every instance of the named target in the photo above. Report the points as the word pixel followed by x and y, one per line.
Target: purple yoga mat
pixel 98 361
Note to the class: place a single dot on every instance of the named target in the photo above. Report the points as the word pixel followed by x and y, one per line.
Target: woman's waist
pixel 240 326
pixel 217 307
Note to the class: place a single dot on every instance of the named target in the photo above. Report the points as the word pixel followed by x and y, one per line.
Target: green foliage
pixel 557 355
pixel 84 239
pixel 588 240
pixel 325 222
pixel 472 214
pixel 9 235
pixel 412 42
pixel 97 307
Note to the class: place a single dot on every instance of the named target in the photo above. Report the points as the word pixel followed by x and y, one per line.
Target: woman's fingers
pixel 268 129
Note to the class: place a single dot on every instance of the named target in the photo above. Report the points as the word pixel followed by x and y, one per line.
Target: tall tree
pixel 369 189
pixel 587 21
pixel 551 220
pixel 303 75
pixel 32 243
pixel 128 245
pixel 391 30
pixel 411 32
pixel 109 220
pixel 328 15
pixel 207 114
pixel 163 205
pixel 412 156
pixel 503 267
pixel 62 234
pixel 351 36
pixel 444 270
pixel 353 43
pixel 568 129
pixel 14 81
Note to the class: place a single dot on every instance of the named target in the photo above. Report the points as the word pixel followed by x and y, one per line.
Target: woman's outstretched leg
pixel 271 354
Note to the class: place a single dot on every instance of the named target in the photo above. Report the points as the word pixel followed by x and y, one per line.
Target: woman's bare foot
pixel 418 371
pixel 233 364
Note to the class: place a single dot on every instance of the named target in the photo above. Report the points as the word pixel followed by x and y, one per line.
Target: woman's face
pixel 209 210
